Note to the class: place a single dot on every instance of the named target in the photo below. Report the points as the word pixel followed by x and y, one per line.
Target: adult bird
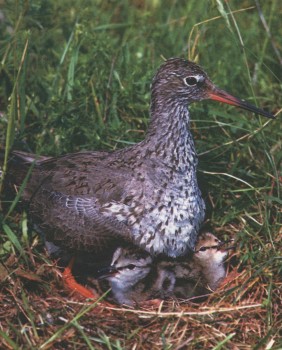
pixel 146 194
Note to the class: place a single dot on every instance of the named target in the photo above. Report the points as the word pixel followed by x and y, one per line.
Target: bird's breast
pixel 171 225
pixel 163 218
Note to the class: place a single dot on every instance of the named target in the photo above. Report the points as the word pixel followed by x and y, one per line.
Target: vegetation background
pixel 76 75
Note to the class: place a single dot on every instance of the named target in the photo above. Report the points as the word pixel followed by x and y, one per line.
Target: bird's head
pixel 184 82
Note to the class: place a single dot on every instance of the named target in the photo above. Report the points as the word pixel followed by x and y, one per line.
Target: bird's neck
pixel 169 137
pixel 214 272
pixel 125 283
pixel 121 285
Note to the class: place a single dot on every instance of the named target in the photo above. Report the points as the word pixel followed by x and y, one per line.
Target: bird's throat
pixel 169 138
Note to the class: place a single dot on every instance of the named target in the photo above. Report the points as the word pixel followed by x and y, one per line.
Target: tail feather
pixel 28 157
pixel 18 166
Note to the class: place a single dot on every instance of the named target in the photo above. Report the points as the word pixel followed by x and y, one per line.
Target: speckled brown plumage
pixel 146 194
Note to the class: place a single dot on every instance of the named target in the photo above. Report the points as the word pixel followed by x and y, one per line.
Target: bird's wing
pixel 95 174
pixel 73 198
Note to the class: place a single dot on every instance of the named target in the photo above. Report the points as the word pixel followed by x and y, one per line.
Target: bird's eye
pixel 202 249
pixel 131 266
pixel 190 81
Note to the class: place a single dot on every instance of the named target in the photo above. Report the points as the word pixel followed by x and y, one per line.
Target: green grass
pixel 76 75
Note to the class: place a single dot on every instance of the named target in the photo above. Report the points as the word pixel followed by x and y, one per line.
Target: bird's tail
pixel 17 166
pixel 15 172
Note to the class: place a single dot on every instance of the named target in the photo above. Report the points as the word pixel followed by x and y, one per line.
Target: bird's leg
pixel 73 285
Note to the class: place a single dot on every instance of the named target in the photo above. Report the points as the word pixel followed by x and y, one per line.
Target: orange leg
pixel 73 285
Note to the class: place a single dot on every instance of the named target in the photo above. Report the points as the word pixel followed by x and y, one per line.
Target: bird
pixel 134 276
pixel 205 271
pixel 146 194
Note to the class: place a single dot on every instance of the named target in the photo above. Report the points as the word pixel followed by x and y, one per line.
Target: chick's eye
pixel 190 81
pixel 202 249
pixel 131 266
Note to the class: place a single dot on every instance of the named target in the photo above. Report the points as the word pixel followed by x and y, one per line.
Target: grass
pixel 76 75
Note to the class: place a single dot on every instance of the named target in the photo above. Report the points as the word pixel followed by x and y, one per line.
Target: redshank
pixel 205 271
pixel 135 277
pixel 146 194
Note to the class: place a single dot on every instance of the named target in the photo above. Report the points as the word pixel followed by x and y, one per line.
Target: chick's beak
pixel 222 245
pixel 106 272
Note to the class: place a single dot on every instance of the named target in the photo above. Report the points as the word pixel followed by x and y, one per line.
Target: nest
pixel 38 312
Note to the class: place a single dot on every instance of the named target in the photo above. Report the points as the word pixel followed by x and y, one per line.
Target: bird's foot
pixel 72 284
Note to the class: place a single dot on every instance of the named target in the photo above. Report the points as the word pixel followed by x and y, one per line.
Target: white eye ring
pixel 190 81
pixel 193 80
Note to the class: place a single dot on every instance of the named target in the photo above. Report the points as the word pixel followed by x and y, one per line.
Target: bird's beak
pixel 224 97
pixel 106 272
pixel 226 241
pixel 223 243
pixel 230 248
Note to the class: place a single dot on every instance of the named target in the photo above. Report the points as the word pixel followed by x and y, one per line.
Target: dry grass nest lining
pixel 35 304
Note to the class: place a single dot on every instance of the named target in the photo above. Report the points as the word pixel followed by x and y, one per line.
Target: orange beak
pixel 224 97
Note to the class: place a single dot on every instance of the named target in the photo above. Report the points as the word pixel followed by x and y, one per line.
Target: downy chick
pixel 204 272
pixel 135 277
